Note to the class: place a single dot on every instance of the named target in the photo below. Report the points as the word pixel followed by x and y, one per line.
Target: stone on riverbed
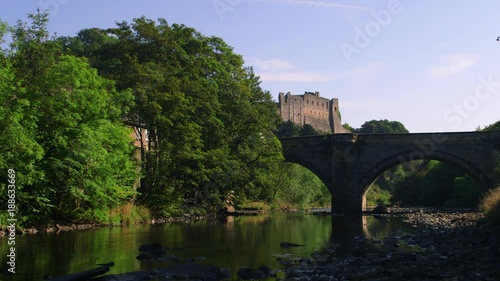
pixel 150 247
pixel 289 245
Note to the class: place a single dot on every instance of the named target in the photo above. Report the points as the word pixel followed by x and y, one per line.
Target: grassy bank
pixel 490 205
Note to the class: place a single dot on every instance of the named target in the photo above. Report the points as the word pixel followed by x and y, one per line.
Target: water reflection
pixel 238 241
pixel 348 231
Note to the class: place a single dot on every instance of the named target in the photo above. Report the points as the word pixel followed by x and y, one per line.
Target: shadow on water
pixel 349 231
pixel 240 241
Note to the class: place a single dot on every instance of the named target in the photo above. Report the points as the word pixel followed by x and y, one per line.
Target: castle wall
pixel 310 108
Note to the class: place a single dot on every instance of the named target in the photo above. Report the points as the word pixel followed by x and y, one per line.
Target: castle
pixel 321 113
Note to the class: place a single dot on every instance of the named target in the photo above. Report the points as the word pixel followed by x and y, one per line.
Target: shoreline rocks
pixel 442 246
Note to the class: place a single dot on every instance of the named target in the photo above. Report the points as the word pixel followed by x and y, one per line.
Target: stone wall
pixel 310 108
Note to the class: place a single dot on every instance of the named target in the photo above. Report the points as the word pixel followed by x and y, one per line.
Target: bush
pixel 377 196
pixel 490 205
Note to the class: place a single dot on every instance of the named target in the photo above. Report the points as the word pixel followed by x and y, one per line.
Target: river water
pixel 249 241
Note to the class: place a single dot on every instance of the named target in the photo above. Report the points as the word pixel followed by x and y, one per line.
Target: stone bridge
pixel 349 163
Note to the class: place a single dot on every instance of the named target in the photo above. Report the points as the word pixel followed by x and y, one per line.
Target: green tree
pixel 492 127
pixel 308 130
pixel 299 188
pixel 348 127
pixel 288 129
pixel 208 121
pixel 69 129
pixel 20 150
pixel 382 127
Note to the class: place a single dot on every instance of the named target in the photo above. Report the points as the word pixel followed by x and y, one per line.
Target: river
pixel 249 241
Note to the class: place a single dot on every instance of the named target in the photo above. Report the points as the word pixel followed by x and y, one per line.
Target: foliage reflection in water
pixel 249 241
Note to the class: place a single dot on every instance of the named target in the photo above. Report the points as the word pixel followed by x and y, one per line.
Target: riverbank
pixel 186 217
pixel 55 228
pixel 443 246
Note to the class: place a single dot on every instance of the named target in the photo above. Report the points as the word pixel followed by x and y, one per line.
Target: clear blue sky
pixel 432 65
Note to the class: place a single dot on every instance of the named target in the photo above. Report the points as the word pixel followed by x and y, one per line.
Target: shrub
pixel 490 205
pixel 377 196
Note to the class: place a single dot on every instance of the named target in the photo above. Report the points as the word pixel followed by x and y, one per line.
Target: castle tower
pixel 321 113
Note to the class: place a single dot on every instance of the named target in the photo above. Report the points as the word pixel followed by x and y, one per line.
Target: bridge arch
pixel 325 178
pixel 366 180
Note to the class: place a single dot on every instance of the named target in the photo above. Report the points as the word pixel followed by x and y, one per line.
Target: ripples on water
pixel 249 241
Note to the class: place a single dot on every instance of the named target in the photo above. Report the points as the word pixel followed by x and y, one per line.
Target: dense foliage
pixel 382 127
pixel 288 129
pixel 61 131
pixel 209 124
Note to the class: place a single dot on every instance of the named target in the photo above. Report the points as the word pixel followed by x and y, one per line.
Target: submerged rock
pixel 289 245
pixel 150 247
pixel 251 274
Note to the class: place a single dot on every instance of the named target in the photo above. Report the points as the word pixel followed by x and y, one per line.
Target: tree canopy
pixel 61 130
pixel 209 123
pixel 382 127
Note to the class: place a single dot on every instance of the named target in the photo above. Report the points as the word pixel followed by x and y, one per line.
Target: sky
pixel 431 65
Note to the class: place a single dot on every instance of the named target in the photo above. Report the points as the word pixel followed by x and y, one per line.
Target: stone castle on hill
pixel 321 113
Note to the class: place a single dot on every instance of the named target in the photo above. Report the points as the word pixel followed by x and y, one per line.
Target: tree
pixel 209 123
pixel 382 127
pixel 308 130
pixel 492 127
pixel 69 131
pixel 20 150
pixel 349 128
pixel 288 129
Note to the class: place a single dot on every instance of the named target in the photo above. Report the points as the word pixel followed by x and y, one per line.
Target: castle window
pixel 335 109
pixel 326 106
pixel 317 103
pixel 307 101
